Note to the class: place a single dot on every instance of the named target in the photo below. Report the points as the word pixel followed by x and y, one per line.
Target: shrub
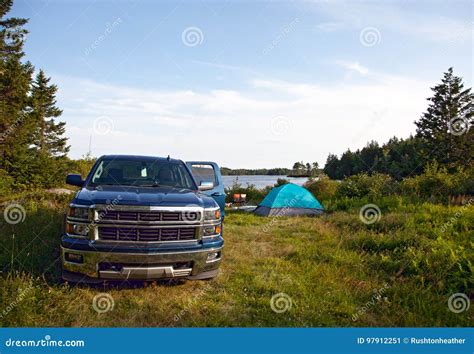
pixel 323 189
pixel 437 183
pixel 360 185
pixel 281 182
pixel 6 183
pixel 254 195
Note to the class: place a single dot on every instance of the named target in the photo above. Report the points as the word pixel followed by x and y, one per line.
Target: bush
pixel 323 189
pixel 281 182
pixel 6 183
pixel 436 183
pixel 374 186
pixel 81 166
pixel 254 195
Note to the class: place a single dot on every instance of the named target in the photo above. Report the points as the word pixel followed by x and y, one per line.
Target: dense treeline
pixel 33 149
pixel 261 171
pixel 443 135
pixel 299 168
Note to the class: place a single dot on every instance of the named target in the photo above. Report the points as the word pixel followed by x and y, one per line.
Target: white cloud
pixel 235 127
pixel 354 66
pixel 392 16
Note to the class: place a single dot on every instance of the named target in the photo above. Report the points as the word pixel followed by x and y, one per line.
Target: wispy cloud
pixel 220 66
pixel 353 66
pixel 330 26
pixel 392 17
pixel 229 125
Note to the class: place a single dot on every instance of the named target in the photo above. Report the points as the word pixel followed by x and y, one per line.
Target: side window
pixel 204 173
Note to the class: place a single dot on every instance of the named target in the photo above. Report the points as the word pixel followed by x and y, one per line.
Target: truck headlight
pixel 77 229
pixel 79 213
pixel 212 214
pixel 211 230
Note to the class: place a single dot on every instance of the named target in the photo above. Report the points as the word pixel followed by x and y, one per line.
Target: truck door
pixel 205 171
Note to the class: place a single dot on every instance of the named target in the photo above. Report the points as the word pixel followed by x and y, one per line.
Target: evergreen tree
pixel 15 78
pixel 48 144
pixel 331 168
pixel 48 136
pixel 444 127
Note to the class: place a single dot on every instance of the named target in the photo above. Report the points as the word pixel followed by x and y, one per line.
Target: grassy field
pixel 332 270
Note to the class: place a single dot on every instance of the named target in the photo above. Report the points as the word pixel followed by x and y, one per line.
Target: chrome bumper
pixel 140 266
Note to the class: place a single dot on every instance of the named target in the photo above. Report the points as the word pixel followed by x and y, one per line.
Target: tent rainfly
pixel 287 200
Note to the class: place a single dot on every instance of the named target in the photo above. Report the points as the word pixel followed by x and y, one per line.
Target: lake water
pixel 260 181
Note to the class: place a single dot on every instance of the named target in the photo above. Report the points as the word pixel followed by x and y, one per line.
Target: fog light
pixel 212 256
pixel 74 258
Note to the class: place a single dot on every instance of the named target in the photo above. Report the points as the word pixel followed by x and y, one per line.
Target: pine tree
pixel 444 127
pixel 48 136
pixel 15 78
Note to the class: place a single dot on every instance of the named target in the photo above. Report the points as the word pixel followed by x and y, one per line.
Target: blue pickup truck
pixel 144 218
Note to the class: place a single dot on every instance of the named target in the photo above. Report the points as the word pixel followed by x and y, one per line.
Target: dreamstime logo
pixel 458 303
pixel 21 296
pixel 281 302
pixel 370 36
pixel 14 214
pixel 103 303
pixel 376 298
pixel 458 126
pixel 103 125
pixel 280 125
pixel 192 215
pixel 193 301
pixel 192 36
pixel 284 32
pixel 283 212
pixel 109 28
pixel 456 216
pixel 369 214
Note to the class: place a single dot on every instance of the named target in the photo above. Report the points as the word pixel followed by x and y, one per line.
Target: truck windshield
pixel 141 173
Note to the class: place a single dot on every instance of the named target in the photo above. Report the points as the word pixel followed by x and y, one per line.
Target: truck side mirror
pixel 75 180
pixel 206 186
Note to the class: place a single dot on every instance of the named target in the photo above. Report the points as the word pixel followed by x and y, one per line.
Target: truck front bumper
pixel 87 262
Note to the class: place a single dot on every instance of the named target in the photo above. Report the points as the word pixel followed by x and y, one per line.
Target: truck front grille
pixel 149 216
pixel 111 233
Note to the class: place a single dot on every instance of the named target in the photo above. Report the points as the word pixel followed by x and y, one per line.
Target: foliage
pixel 225 171
pixel 254 195
pixel 81 166
pixel 444 127
pixel 437 183
pixel 281 182
pixel 397 158
pixel 305 169
pixel 322 188
pixel 32 147
pixel 443 135
pixel 6 183
pixel 361 185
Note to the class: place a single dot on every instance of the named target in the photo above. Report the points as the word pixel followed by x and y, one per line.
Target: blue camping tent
pixel 289 199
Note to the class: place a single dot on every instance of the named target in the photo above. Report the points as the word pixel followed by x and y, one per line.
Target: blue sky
pixel 248 84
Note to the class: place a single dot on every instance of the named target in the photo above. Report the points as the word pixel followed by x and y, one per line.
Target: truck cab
pixel 144 218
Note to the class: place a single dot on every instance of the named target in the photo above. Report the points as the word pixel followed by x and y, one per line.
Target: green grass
pixel 337 271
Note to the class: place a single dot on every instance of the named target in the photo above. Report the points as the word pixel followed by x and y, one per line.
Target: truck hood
pixel 157 196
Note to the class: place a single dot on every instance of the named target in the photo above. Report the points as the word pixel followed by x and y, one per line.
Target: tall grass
pixel 414 258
